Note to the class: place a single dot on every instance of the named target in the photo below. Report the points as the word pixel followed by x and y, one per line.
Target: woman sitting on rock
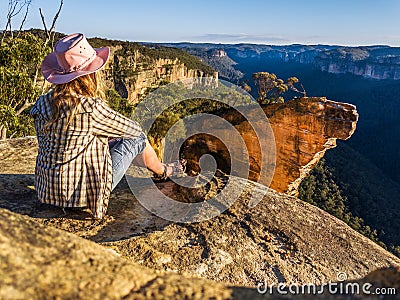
pixel 76 165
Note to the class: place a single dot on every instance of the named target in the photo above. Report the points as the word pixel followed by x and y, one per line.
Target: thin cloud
pixel 391 38
pixel 237 38
pixel 315 37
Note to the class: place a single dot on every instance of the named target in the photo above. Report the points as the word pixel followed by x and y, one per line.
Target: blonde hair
pixel 69 95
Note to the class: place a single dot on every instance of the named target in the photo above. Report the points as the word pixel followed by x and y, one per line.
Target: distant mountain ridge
pixel 376 62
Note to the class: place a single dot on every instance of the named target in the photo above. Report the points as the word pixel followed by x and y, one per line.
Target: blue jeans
pixel 123 151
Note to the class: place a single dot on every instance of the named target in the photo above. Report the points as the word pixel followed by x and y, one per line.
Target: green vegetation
pixel 224 65
pixel 353 54
pixel 116 102
pixel 270 88
pixel 20 59
pixel 191 62
pixel 352 189
pixel 320 189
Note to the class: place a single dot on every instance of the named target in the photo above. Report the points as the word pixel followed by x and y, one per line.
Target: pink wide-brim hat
pixel 73 57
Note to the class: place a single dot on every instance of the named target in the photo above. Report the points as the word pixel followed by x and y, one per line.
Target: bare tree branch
pixel 53 25
pixel 304 91
pixel 50 32
pixel 21 6
pixel 44 23
pixel 28 3
pixel 49 36
pixel 14 8
pixel 11 9
pixel 3 132
pixel 23 107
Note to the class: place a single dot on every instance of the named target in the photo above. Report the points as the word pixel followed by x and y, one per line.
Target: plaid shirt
pixel 73 166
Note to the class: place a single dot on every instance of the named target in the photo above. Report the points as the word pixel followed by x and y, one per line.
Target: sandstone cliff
pixel 369 62
pixel 134 70
pixel 377 62
pixel 282 239
pixel 304 129
pixel 220 61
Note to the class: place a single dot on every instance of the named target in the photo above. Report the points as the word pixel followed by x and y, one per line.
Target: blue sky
pixel 344 22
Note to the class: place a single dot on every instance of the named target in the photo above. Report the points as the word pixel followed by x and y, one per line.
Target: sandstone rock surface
pixel 281 240
pixel 41 262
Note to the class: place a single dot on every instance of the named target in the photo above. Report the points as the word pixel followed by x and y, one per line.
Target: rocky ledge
pixel 280 240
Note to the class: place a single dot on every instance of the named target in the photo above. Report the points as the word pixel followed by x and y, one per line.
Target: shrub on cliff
pixel 208 101
pixel 118 103
pixel 270 88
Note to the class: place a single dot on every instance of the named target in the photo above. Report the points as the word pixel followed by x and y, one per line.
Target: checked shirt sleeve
pixel 108 122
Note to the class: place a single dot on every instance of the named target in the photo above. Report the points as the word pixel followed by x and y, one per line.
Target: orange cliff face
pixel 303 129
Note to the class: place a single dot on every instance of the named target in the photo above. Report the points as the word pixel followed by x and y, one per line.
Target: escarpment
pixel 134 70
pixel 377 62
pixel 303 129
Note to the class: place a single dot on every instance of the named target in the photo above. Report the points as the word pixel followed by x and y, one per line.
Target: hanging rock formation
pixel 303 128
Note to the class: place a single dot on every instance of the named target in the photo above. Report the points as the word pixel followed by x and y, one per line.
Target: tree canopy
pixel 270 88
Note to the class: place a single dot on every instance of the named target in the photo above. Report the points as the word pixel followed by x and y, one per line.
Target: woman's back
pixel 73 167
pixel 60 141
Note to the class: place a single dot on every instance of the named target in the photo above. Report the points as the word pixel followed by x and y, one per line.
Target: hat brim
pixel 53 73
